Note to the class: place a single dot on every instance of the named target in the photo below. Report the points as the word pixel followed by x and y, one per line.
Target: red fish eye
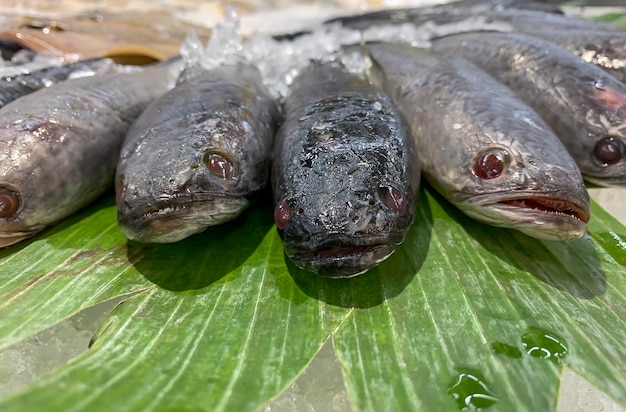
pixel 10 202
pixel 282 213
pixel 609 151
pixel 394 199
pixel 220 166
pixel 490 164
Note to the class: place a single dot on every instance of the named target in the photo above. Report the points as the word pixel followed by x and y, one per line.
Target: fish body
pixel 345 174
pixel 59 145
pixel 584 105
pixel 482 148
pixel 441 13
pixel 600 43
pixel 197 156
pixel 13 87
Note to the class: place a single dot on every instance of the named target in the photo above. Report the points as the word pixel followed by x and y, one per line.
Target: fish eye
pixel 282 213
pixel 491 163
pixel 10 202
pixel 220 164
pixel 609 151
pixel 394 199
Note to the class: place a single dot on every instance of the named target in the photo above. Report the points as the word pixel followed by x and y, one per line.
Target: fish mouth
pixel 341 261
pixel 170 221
pixel 11 238
pixel 545 216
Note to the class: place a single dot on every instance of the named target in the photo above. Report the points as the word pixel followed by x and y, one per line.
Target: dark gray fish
pixel 197 156
pixel 345 173
pixel 584 105
pixel 59 145
pixel 441 13
pixel 600 43
pixel 482 148
pixel 13 87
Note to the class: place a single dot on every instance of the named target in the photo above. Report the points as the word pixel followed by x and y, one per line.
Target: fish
pixel 59 145
pixel 440 13
pixel 12 87
pixel 597 42
pixel 198 156
pixel 481 147
pixel 345 174
pixel 583 104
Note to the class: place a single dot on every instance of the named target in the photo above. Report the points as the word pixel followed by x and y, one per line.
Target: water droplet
pixel 500 348
pixel 540 343
pixel 599 84
pixel 470 390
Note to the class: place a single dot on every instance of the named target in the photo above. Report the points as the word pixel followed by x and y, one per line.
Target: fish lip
pixel 342 257
pixel 548 215
pixel 343 261
pixel 139 223
pixel 11 238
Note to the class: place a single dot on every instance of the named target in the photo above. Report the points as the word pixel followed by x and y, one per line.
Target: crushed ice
pixel 280 61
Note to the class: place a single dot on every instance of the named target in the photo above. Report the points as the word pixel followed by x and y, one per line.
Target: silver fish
pixel 584 105
pixel 13 87
pixel 345 174
pixel 483 149
pixel 197 156
pixel 59 145
pixel 600 43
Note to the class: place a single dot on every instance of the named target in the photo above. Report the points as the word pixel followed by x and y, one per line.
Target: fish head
pixel 32 195
pixel 532 187
pixel 175 188
pixel 605 163
pixel 346 208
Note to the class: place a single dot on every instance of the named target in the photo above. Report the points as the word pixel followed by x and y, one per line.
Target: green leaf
pixel 479 294
pixel 225 322
pixel 74 265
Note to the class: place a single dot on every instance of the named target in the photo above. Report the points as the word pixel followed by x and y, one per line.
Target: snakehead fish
pixel 482 148
pixel 197 156
pixel 59 145
pixel 345 173
pixel 584 105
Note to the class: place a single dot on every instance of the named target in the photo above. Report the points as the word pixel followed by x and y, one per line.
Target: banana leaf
pixel 461 313
pixel 462 316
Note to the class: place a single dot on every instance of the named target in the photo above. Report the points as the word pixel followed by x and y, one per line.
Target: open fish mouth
pixel 171 221
pixel 548 205
pixel 541 216
pixel 342 261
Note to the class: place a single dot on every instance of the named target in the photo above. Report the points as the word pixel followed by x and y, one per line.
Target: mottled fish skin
pixel 345 174
pixel 601 43
pixel 59 145
pixel 583 104
pixel 13 87
pixel 197 156
pixel 604 49
pixel 483 149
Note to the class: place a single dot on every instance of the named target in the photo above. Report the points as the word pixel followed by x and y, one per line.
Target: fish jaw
pixel 11 238
pixel 545 216
pixel 341 261
pixel 172 221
